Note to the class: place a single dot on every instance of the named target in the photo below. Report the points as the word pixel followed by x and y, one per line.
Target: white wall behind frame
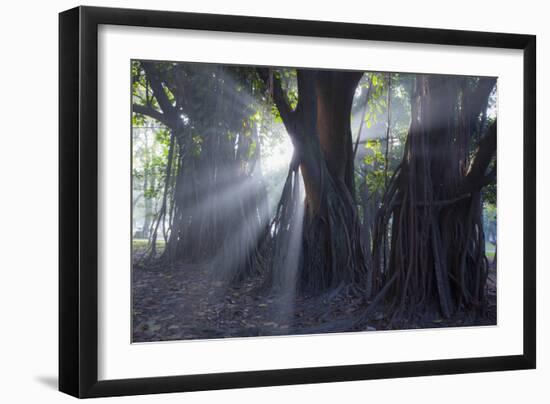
pixel 28 291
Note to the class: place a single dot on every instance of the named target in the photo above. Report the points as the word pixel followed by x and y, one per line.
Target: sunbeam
pixel 287 283
pixel 279 156
pixel 238 245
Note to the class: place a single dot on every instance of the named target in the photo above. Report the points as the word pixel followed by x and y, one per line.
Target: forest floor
pixel 185 303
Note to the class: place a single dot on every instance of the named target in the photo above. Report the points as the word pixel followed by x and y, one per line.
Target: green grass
pixel 490 251
pixel 141 244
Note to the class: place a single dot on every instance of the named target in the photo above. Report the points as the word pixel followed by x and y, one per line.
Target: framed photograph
pixel 251 201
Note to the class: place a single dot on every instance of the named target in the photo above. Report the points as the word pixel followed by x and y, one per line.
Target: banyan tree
pixel 429 247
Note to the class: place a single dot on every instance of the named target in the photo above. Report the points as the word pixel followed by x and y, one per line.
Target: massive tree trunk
pixel 332 251
pixel 433 204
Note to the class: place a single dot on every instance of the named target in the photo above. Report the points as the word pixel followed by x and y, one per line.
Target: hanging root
pixel 324 248
pixel 436 259
pixel 333 245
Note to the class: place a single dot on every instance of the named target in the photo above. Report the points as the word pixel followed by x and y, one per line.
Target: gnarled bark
pixel 332 250
pixel 432 205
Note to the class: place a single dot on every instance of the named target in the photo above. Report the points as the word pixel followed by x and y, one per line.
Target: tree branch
pixel 477 100
pixel 150 112
pixel 280 100
pixel 166 106
pixel 476 177
pixel 480 95
pixel 273 83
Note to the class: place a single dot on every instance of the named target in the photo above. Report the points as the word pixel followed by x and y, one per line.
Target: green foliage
pixel 142 94
pixel 276 115
pixel 196 145
pixel 373 171
pixel 138 120
pixel 252 149
pixel 374 162
pixel 289 83
pixel 490 211
pixel 489 193
pixel 374 152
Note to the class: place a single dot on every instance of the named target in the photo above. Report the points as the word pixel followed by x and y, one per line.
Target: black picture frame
pixel 78 201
